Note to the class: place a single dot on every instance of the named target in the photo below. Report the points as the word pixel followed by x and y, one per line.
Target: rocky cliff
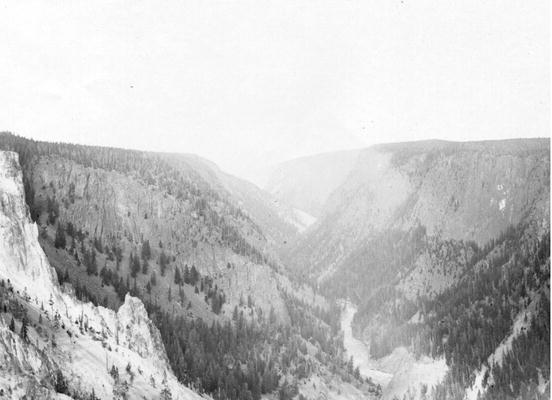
pixel 200 248
pixel 79 339
pixel 444 247
pixel 455 191
pixel 23 261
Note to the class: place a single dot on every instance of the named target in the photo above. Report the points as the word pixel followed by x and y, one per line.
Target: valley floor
pixel 359 350
pixel 397 373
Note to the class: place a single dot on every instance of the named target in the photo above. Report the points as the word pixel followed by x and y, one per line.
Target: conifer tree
pixel 92 266
pixel 177 277
pixel 146 250
pixel 166 394
pixel 60 241
pixel 145 267
pixel 135 265
pixel 23 333
pixel 163 262
pixel 194 275
pixel 187 279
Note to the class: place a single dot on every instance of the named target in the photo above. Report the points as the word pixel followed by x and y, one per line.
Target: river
pixel 397 372
pixel 359 350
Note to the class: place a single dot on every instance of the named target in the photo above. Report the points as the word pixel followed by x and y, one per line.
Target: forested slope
pixel 443 246
pixel 114 222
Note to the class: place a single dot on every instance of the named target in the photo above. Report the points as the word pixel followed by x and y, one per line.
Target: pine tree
pixel 114 372
pixel 60 241
pixel 166 394
pixel 163 262
pixel 12 325
pixel 53 210
pixel 177 277
pixel 146 250
pixel 135 265
pixel 92 266
pixel 182 295
pixel 61 383
pixel 187 279
pixel 98 244
pixel 145 267
pixel 194 275
pixel 23 333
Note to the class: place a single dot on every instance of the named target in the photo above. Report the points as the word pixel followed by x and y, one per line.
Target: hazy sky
pixel 250 83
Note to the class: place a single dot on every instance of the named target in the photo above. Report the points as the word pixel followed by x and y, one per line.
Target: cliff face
pixel 474 191
pixel 23 261
pixel 53 317
pixel 113 205
pixel 467 192
pixel 444 247
pixel 278 221
pixel 125 212
pixel 112 202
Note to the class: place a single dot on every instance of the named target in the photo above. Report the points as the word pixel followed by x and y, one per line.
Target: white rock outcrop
pixel 127 336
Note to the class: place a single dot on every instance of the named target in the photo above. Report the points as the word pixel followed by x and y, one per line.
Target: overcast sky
pixel 251 83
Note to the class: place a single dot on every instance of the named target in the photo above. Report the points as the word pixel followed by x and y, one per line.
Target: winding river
pixel 397 373
pixel 359 350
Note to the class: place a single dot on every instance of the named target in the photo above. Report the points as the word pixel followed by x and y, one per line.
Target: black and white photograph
pixel 275 200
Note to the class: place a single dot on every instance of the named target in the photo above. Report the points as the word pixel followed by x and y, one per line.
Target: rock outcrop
pixel 26 272
pixel 137 333
pixel 21 257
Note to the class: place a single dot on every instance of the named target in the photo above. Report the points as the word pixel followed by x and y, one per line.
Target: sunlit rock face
pixel 137 332
pixel 77 338
pixel 21 257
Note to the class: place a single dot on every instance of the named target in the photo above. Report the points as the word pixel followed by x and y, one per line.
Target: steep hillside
pixel 172 231
pixel 278 221
pixel 454 191
pixel 151 216
pixel 54 346
pixel 417 230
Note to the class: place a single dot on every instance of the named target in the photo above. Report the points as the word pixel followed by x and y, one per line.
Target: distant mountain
pixel 462 191
pixel 306 183
pixel 421 236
